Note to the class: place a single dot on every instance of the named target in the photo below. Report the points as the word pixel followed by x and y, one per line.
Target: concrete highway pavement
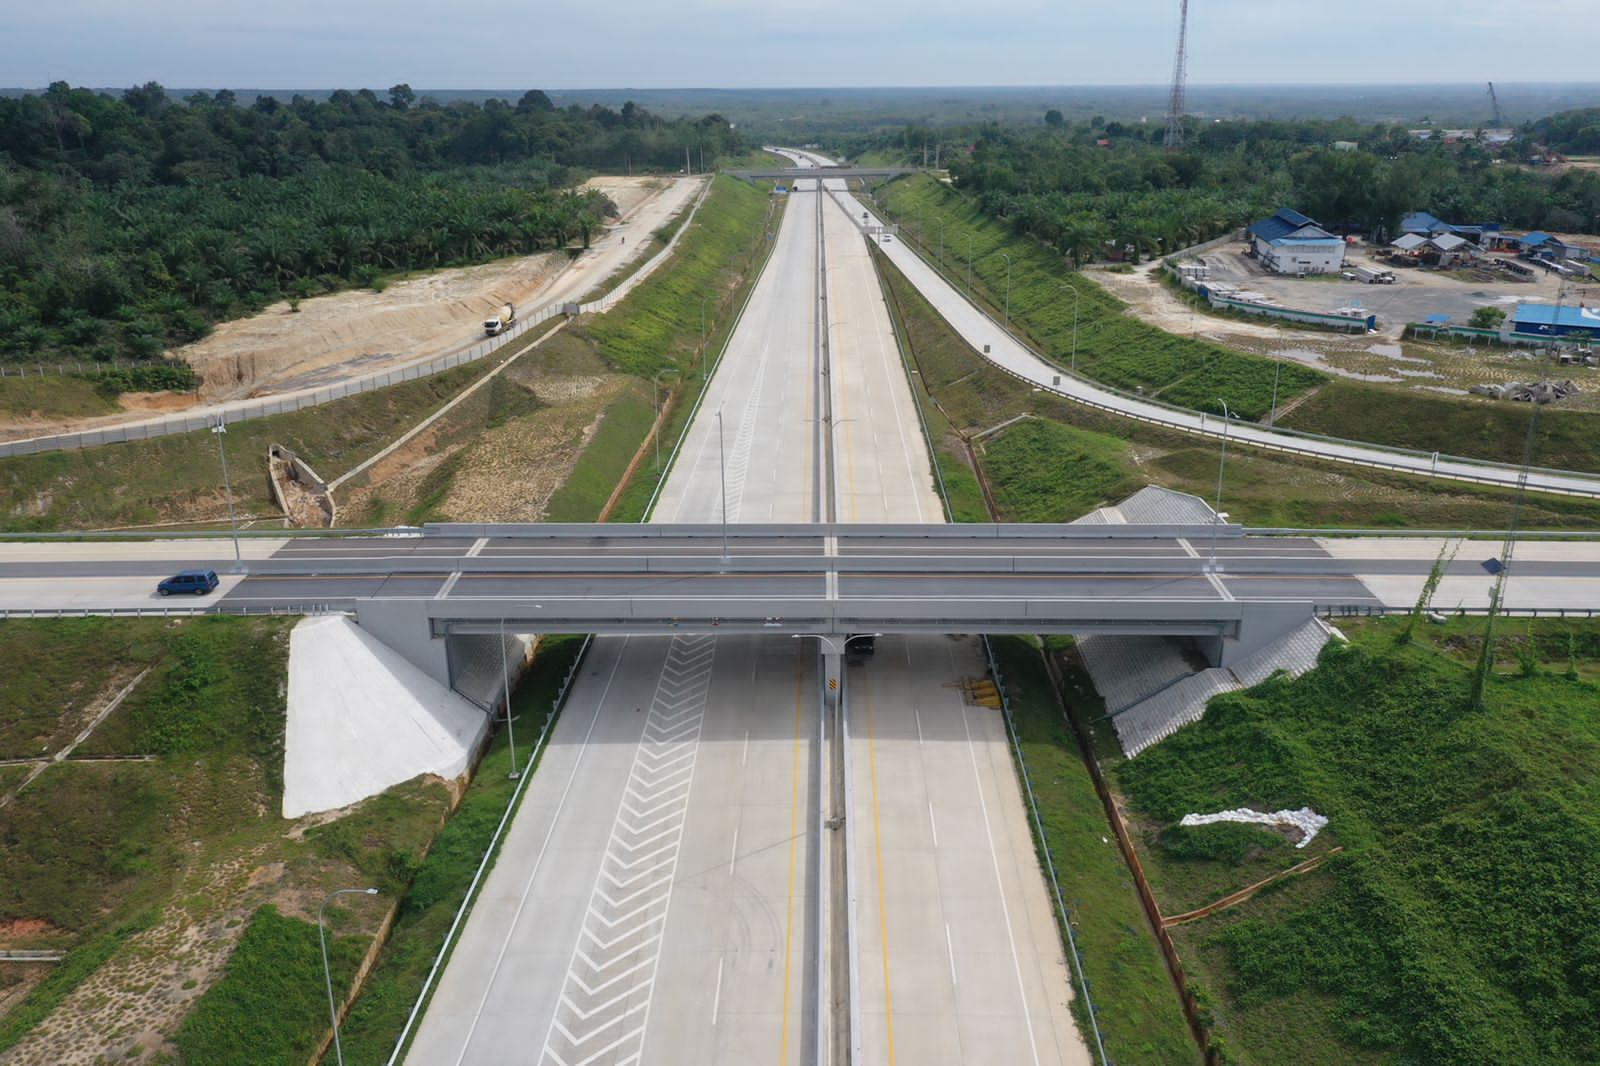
pixel 684 932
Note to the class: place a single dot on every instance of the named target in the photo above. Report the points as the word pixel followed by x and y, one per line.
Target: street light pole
pixel 969 265
pixel 1007 258
pixel 327 974
pixel 1077 298
pixel 1221 466
pixel 703 301
pixel 722 470
pixel 655 398
pixel 1272 417
pixel 941 242
pixel 505 680
pixel 220 430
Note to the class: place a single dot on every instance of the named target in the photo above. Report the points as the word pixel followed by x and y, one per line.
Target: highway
pixel 1005 351
pixel 669 916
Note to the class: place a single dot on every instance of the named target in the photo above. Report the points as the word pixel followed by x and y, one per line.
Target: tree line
pixel 1098 188
pixel 130 225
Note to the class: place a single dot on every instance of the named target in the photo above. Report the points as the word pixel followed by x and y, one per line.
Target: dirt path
pixel 348 334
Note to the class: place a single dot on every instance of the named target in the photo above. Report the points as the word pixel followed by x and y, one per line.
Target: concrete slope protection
pixel 989 337
pixel 654 899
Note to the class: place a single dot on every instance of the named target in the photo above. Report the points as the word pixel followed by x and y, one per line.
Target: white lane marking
pixel 449 583
pixel 716 1000
pixel 555 820
pixel 918 716
pixel 933 826
pixel 733 853
pixel 744 755
pixel 477 547
pixel 1183 542
pixel 624 965
pixel 1216 583
pixel 1005 909
pixel 950 950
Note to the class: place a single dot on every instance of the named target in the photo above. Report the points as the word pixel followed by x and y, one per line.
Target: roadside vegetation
pixel 1115 348
pixel 178 479
pixel 1064 460
pixel 1458 924
pixel 143 853
pixel 128 225
pixel 1137 1008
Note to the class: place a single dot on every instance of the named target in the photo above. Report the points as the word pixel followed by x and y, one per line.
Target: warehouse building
pixel 1291 243
pixel 1556 321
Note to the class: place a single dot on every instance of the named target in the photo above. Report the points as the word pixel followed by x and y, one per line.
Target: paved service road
pixel 978 330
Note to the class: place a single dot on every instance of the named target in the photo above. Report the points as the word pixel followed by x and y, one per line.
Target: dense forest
pixel 129 225
pixel 1084 188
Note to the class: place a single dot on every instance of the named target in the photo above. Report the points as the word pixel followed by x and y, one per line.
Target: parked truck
pixel 1373 276
pixel 497 324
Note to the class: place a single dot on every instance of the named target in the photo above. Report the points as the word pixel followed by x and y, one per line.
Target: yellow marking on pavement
pixel 794 814
pixel 877 848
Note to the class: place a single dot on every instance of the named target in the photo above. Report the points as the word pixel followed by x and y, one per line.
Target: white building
pixel 1291 243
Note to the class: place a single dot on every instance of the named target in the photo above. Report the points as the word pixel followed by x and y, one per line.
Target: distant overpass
pixel 841 172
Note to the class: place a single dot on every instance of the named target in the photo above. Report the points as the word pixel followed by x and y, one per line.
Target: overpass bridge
pixel 839 172
pixel 437 593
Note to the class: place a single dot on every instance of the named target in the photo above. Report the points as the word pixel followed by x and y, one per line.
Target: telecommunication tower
pixel 1180 75
pixel 1499 119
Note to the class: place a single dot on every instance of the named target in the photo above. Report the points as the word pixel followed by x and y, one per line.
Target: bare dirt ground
pixel 1380 359
pixel 506 473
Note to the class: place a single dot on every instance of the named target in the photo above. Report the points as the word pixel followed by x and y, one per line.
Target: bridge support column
pixel 404 626
pixel 1261 624
pixel 832 681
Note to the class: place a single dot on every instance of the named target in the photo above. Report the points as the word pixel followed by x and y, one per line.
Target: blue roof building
pixel 1421 222
pixel 1290 243
pixel 1556 321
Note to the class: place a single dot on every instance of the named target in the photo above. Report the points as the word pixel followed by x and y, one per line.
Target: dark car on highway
pixel 194 582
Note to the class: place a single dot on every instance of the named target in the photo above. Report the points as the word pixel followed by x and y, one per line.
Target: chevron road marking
pixel 604 1005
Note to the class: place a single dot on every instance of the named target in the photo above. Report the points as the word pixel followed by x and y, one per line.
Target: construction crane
pixel 1499 119
pixel 1180 74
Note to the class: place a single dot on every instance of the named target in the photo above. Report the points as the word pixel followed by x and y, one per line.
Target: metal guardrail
pixel 242 609
pixel 1364 610
pixel 1044 848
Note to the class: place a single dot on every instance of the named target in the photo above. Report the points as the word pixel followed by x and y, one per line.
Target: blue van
pixel 197 582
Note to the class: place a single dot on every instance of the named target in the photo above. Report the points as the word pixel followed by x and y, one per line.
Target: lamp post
pixel 1007 258
pixel 969 264
pixel 722 470
pixel 655 397
pixel 1221 465
pixel 1272 416
pixel 327 974
pixel 703 301
pixel 220 430
pixel 1077 298
pixel 941 242
pixel 505 681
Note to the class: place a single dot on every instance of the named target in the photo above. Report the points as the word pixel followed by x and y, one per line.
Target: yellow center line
pixel 877 848
pixel 794 813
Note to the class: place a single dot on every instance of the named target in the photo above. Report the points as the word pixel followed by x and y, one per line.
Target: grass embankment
pixel 1122 351
pixel 1569 440
pixel 1461 924
pixel 120 862
pixel 657 331
pixel 51 397
pixel 1070 459
pixel 1137 1010
pixel 442 879
pixel 1111 346
pixel 179 478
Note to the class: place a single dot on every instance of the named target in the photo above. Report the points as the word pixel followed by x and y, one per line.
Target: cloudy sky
pixel 514 44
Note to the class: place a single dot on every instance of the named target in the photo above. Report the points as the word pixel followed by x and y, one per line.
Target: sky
pixel 585 44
